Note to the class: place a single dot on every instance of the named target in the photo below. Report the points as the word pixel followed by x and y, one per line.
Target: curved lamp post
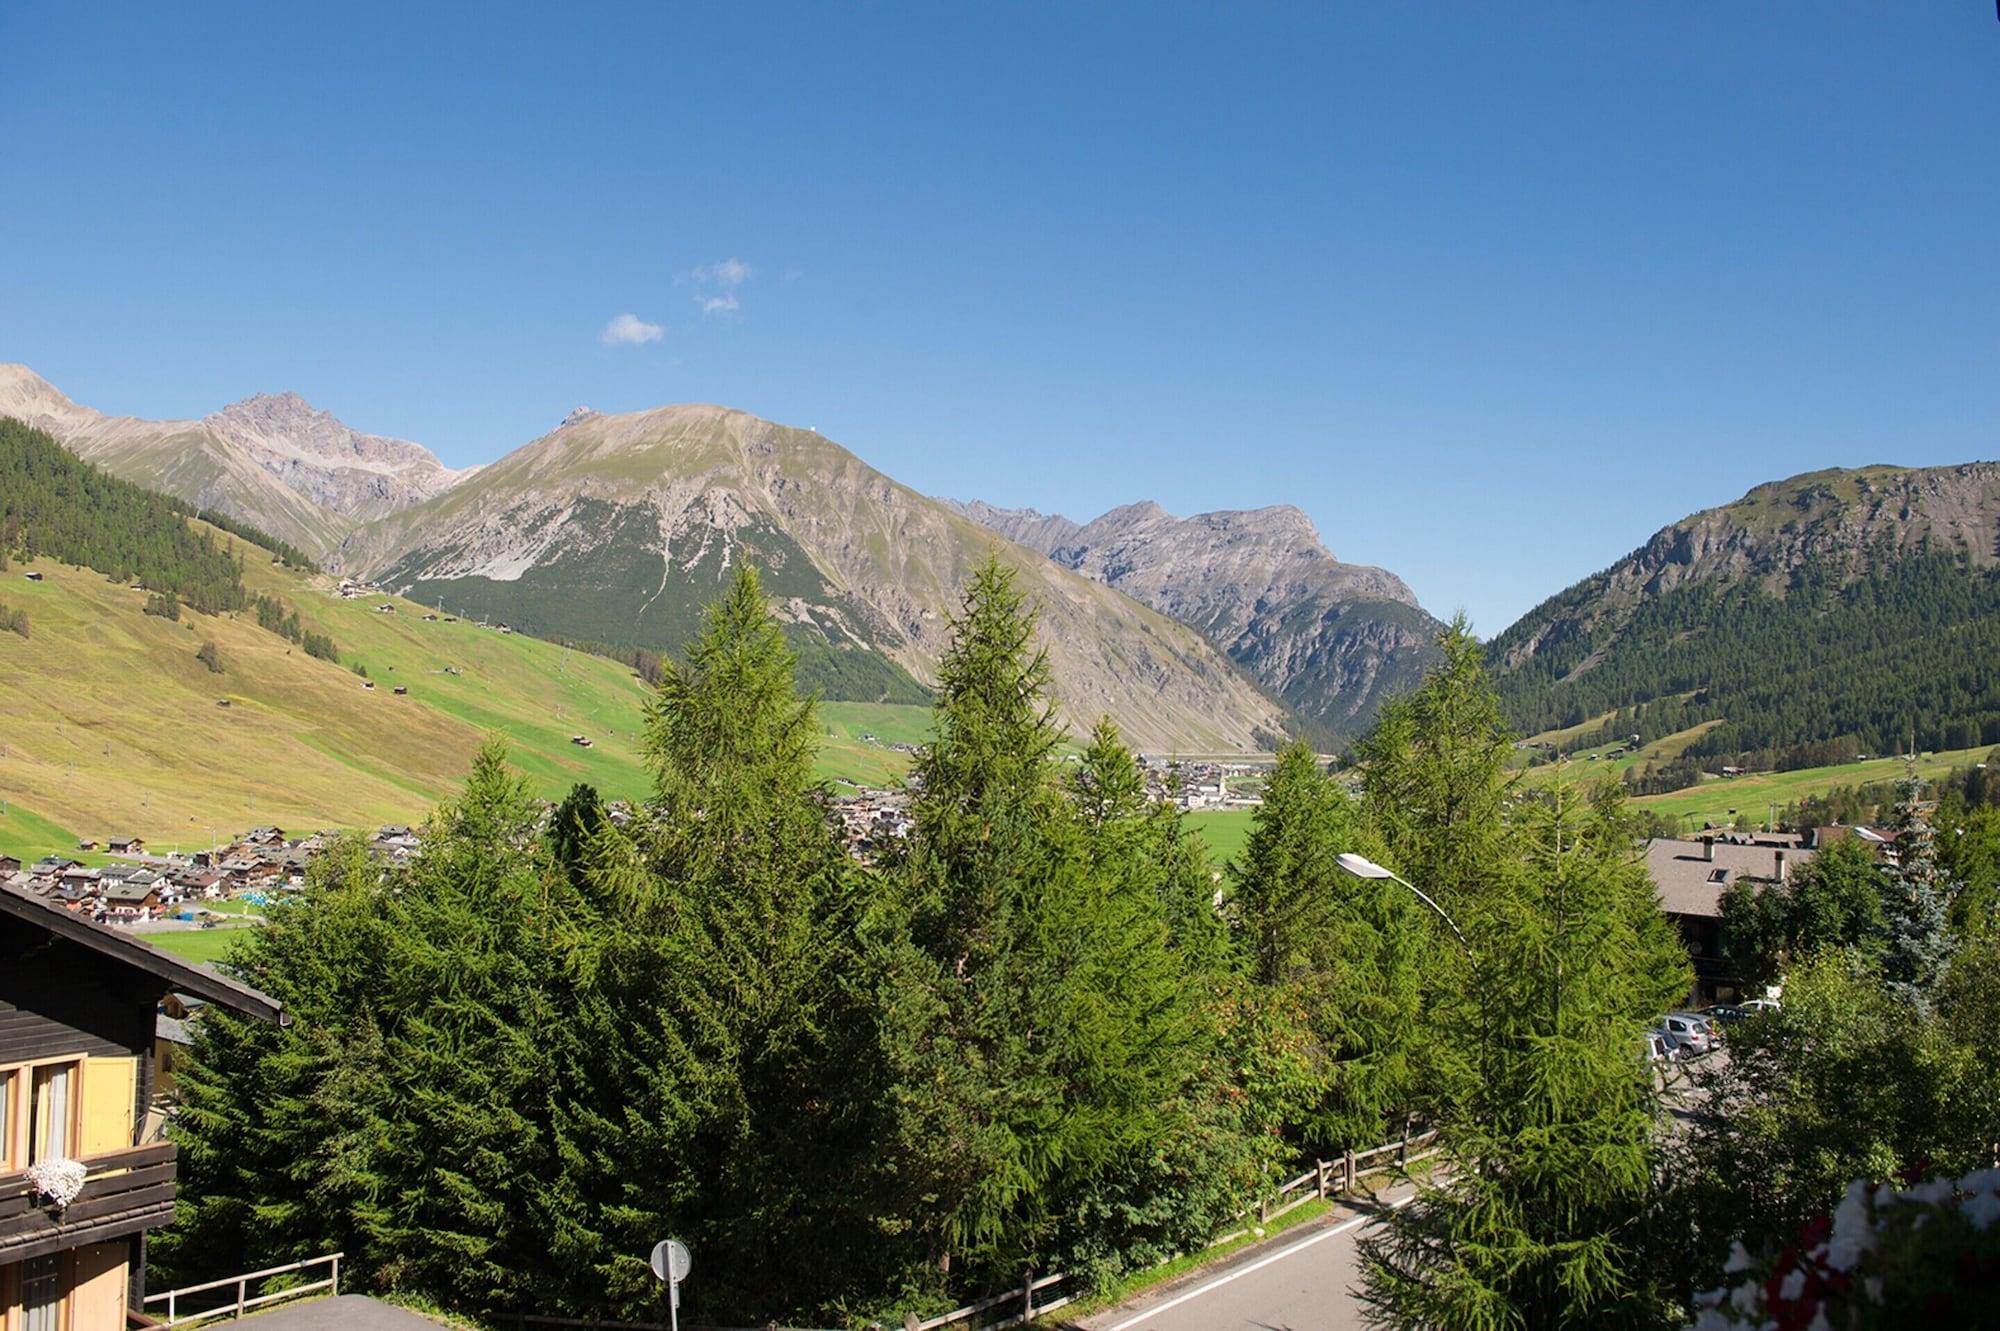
pixel 1360 866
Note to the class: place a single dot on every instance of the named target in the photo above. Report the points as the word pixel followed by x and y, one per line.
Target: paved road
pixel 1300 1281
pixel 348 1312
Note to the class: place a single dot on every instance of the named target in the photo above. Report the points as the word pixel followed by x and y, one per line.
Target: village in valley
pixel 143 885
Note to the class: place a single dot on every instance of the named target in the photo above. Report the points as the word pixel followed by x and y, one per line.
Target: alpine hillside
pixel 272 460
pixel 1331 639
pixel 618 528
pixel 1834 613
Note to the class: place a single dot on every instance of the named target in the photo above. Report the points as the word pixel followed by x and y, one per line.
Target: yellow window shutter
pixel 109 1085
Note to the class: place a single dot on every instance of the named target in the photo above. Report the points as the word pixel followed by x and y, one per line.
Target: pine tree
pixel 573 826
pixel 1033 1016
pixel 730 1071
pixel 1436 774
pixel 1916 905
pixel 1147 990
pixel 1337 953
pixel 1547 1107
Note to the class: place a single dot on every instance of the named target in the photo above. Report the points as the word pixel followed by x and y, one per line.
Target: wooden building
pixel 1690 878
pixel 78 1004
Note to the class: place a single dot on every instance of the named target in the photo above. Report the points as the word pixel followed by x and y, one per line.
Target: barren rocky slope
pixel 1333 639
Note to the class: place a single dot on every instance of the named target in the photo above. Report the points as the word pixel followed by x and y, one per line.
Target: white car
pixel 1659 1049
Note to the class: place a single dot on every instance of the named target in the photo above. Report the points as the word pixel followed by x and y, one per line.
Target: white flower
pixel 1739 1258
pixel 1793 1285
pixel 1930 1194
pixel 1853 1229
pixel 58 1179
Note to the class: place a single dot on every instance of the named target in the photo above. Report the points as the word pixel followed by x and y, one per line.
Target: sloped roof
pixel 1688 882
pixel 135 952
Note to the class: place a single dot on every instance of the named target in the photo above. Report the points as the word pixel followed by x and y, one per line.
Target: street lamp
pixel 1360 866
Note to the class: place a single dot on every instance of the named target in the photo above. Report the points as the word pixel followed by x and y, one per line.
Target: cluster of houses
pixel 352 589
pixel 1204 785
pixel 262 862
pixel 871 820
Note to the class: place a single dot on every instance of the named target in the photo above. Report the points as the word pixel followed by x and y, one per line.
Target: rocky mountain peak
pixel 27 396
pixel 578 416
pixel 1332 639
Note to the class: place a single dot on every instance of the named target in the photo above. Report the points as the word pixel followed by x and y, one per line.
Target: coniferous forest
pixel 54 503
pixel 1906 654
pixel 1041 1035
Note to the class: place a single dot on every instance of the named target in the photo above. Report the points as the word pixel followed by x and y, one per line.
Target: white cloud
pixel 722 304
pixel 726 274
pixel 629 330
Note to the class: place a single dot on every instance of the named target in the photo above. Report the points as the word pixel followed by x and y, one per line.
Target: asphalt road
pixel 1304 1279
pixel 1300 1281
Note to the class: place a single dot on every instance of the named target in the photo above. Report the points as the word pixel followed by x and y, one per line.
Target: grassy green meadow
pixel 1223 831
pixel 112 726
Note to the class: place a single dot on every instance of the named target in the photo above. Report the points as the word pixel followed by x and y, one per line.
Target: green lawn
pixel 29 836
pixel 196 945
pixel 1753 795
pixel 279 737
pixel 1224 831
pixel 845 755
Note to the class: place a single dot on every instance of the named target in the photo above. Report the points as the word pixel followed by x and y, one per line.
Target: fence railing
pixel 1326 1178
pixel 136 1183
pixel 1039 1295
pixel 244 1300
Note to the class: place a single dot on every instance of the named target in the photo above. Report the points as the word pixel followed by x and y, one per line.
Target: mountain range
pixel 1333 640
pixel 1842 609
pixel 1835 612
pixel 616 529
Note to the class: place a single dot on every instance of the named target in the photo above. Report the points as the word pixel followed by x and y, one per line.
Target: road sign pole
pixel 674 1305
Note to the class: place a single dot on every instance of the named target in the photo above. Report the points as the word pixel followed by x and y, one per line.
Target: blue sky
pixel 1491 291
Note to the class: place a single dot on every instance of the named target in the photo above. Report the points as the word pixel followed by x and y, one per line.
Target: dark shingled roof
pixel 121 946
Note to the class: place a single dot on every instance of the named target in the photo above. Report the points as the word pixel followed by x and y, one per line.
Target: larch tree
pixel 1435 767
pixel 1034 1019
pixel 1336 954
pixel 1545 1101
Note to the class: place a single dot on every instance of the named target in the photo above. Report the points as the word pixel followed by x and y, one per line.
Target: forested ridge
pixel 1908 653
pixel 54 503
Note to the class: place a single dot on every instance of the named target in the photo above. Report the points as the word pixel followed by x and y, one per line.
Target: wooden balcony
pixel 126 1191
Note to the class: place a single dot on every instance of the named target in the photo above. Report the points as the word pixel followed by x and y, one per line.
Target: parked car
pixel 1723 1014
pixel 1659 1049
pixel 1689 1033
pixel 1756 1006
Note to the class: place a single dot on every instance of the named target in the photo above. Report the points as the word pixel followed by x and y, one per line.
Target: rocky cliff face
pixel 620 527
pixel 271 460
pixel 1333 639
pixel 364 476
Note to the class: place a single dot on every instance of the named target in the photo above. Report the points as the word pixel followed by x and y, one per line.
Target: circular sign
pixel 670 1261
